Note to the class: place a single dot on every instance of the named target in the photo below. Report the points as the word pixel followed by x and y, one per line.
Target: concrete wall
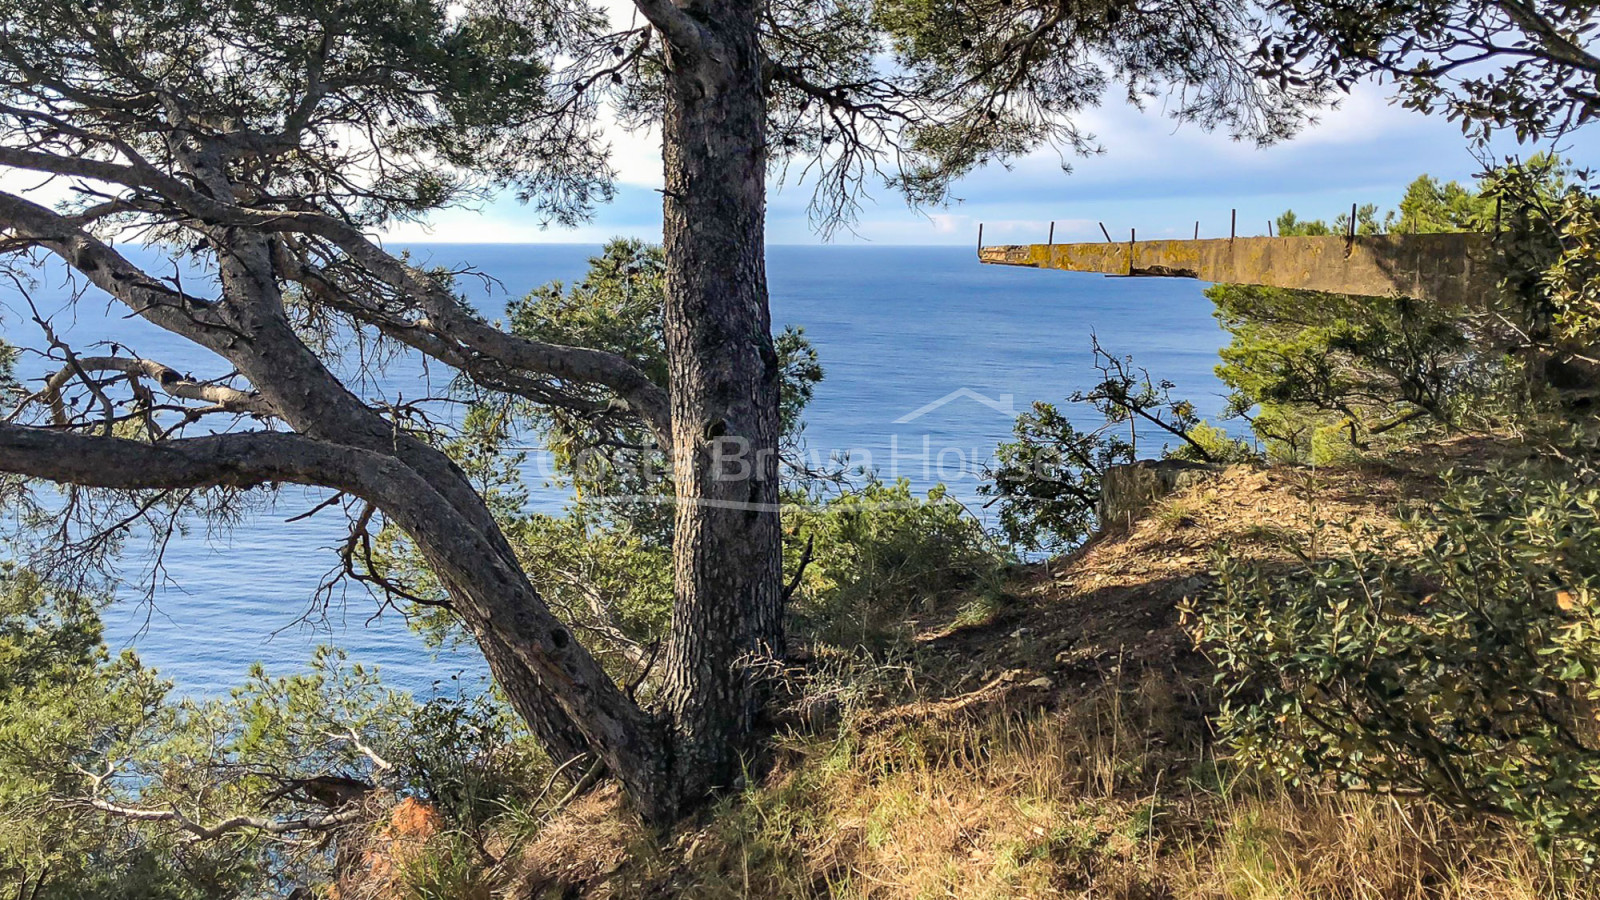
pixel 1446 268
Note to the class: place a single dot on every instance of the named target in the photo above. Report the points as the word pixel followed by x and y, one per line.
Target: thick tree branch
pixel 519 370
pixel 457 551
pixel 110 271
pixel 443 315
pixel 682 32
pixel 445 318
pixel 1553 44
pixel 240 460
pixel 133 176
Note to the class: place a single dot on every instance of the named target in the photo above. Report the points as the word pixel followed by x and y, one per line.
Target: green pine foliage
pixel 610 460
pixel 105 775
pixel 877 552
pixel 1323 377
pixel 1291 225
pixel 67 708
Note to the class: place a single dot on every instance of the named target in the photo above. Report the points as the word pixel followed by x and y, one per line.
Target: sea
pixel 928 357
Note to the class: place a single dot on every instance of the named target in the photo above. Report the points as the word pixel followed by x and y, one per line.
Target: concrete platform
pixel 1445 268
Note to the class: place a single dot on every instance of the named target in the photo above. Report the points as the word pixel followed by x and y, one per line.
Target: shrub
pixel 103 774
pixel 66 708
pixel 1549 308
pixel 1047 482
pixel 1466 674
pixel 880 551
pixel 1574 278
pixel 1326 376
pixel 467 756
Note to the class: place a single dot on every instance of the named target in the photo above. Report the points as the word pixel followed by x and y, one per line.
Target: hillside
pixel 1054 743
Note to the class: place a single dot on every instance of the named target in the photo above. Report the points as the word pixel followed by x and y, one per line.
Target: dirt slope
pixel 1058 747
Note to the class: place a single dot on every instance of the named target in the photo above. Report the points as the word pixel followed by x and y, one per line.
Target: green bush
pixel 1574 278
pixel 470 759
pixel 1549 303
pixel 878 552
pixel 449 867
pixel 1323 377
pixel 1468 673
pixel 1317 374
pixel 1047 481
pixel 66 708
pixel 80 727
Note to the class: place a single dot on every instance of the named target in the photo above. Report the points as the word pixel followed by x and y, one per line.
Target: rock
pixel 1127 491
pixel 1042 683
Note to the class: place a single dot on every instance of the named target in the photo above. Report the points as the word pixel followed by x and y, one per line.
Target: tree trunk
pixel 551 679
pixel 553 728
pixel 724 386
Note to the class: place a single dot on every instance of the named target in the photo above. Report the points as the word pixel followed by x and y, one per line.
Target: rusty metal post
pixel 980 237
pixel 1269 228
pixel 1104 231
pixel 1233 226
pixel 1197 230
pixel 1052 234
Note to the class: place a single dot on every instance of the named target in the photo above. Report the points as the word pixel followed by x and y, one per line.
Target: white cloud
pixel 1155 176
pixel 509 222
pixel 636 155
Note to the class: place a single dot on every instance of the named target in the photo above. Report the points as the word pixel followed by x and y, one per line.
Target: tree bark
pixel 724 392
pixel 553 728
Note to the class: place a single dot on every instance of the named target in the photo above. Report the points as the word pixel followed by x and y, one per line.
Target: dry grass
pixel 1116 796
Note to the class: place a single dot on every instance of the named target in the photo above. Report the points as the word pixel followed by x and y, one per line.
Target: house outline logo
pixel 1002 404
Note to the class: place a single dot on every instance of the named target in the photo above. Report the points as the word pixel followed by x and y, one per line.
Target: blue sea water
pixel 928 356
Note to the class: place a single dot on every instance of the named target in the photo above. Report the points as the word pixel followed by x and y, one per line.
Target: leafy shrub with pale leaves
pixel 1468 673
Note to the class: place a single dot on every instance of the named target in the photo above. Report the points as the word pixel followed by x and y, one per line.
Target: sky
pixel 1154 176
